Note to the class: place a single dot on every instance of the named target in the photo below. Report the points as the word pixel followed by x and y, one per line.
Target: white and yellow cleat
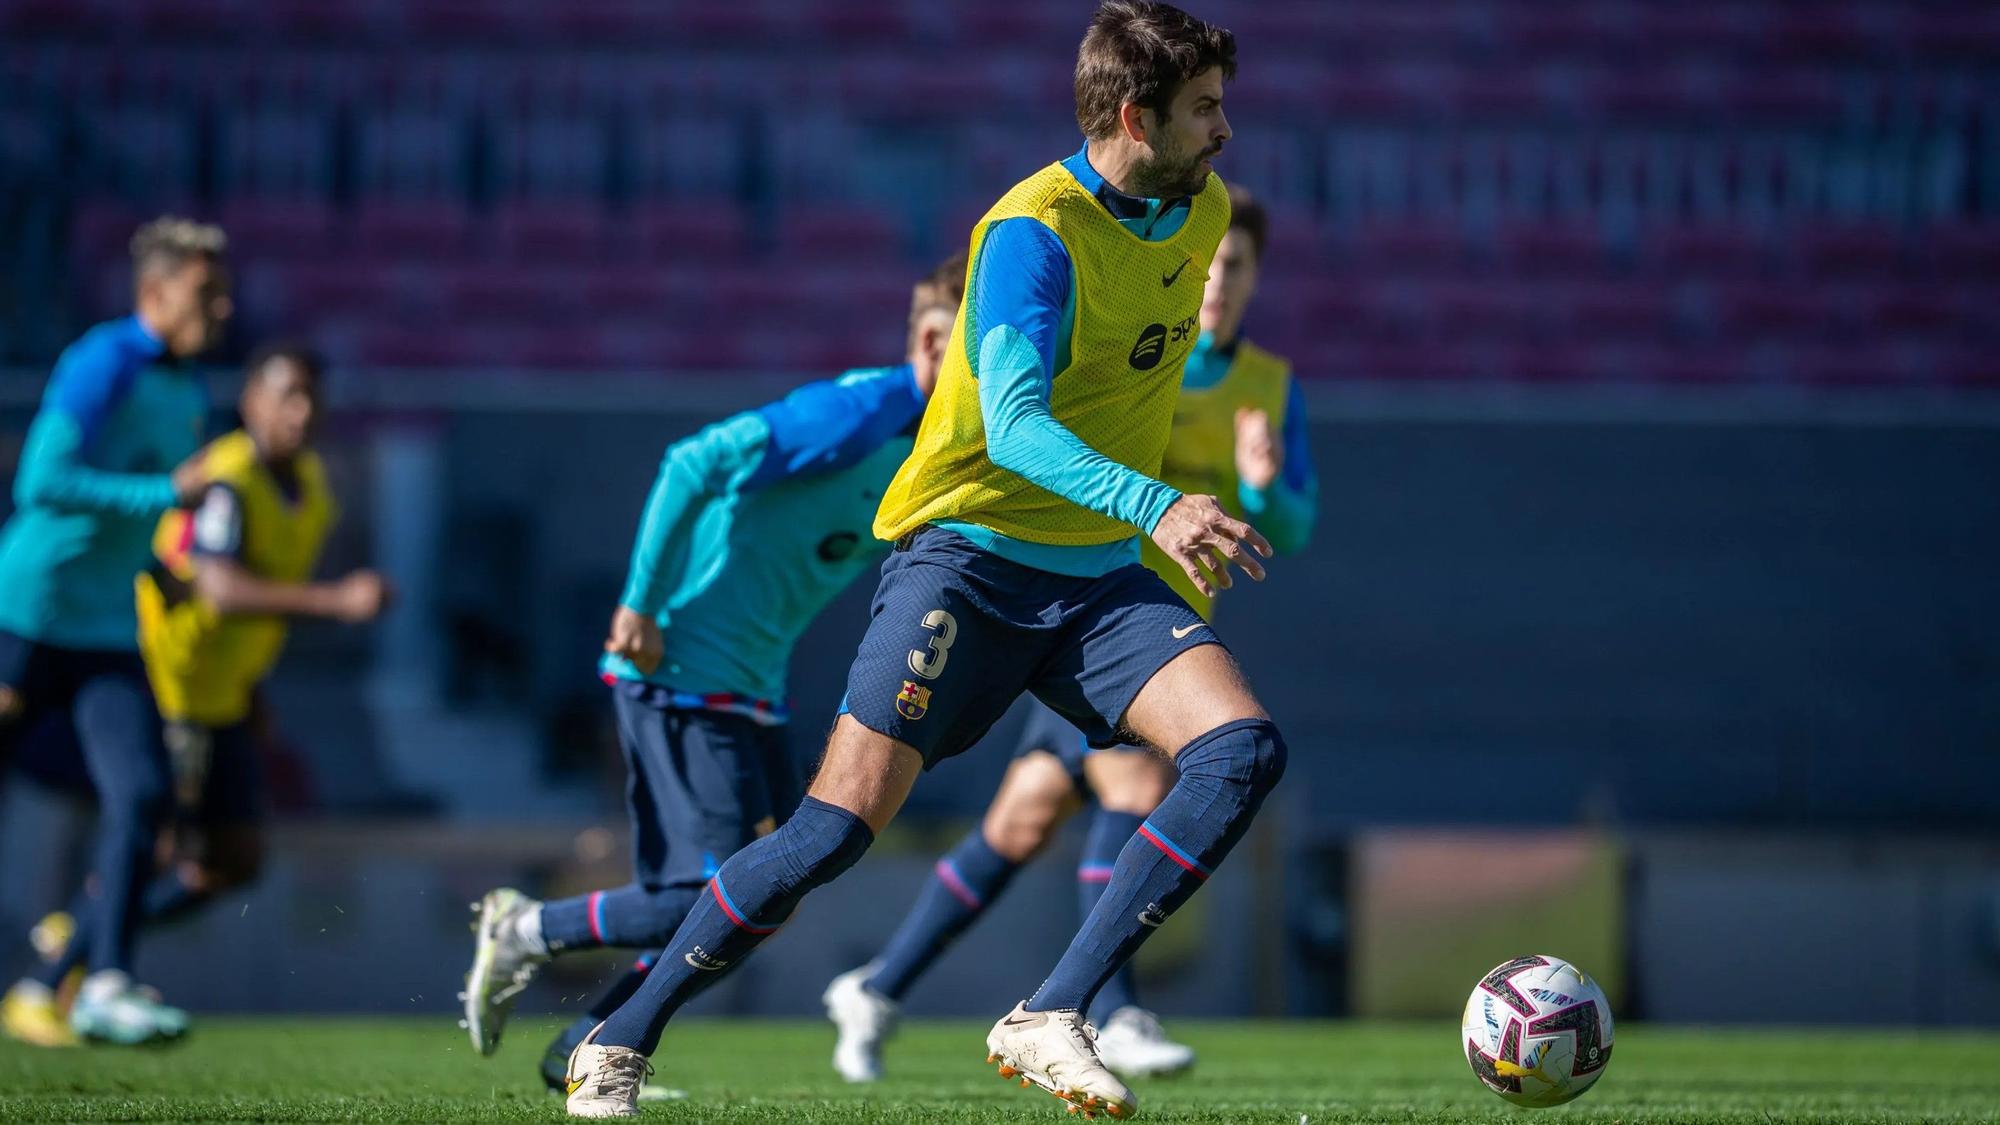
pixel 863 1019
pixel 605 1081
pixel 1058 1052
pixel 29 1014
pixel 502 966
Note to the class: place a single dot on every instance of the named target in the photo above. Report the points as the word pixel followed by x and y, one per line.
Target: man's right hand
pixel 636 637
pixel 191 480
pixel 361 596
pixel 1203 539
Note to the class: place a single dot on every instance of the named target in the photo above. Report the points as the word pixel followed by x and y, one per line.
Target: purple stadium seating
pixel 1492 189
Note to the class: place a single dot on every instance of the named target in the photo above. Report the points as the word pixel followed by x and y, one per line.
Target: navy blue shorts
pixel 1043 729
pixel 959 633
pixel 697 783
pixel 67 713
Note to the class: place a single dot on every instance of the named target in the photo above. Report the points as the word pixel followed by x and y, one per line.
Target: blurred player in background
pixel 753 526
pixel 1240 435
pixel 1017 522
pixel 213 616
pixel 111 448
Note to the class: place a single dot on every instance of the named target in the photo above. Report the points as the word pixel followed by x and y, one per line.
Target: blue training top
pixel 93 482
pixel 756 523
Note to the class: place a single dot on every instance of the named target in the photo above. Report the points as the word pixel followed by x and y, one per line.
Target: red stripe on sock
pixel 742 923
pixel 949 877
pixel 1173 855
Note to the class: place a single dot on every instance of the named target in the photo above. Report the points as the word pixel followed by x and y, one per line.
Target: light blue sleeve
pixel 1021 290
pixel 90 380
pixel 711 463
pixel 1286 511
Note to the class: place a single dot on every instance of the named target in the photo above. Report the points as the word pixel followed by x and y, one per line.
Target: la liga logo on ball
pixel 1537 1031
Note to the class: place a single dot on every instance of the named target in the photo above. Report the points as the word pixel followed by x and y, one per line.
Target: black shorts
pixel 958 633
pixel 218 776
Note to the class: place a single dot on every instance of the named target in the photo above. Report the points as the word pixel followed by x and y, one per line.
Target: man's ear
pixel 1132 119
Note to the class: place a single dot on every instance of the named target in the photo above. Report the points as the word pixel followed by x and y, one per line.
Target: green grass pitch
pixel 740 1071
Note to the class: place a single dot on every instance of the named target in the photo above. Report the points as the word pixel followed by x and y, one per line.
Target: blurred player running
pixel 212 622
pixel 1239 434
pixel 1017 521
pixel 754 525
pixel 108 452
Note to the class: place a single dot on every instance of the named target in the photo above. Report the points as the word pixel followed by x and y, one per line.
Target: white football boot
pixel 605 1081
pixel 1134 1044
pixel 1058 1052
pixel 109 1008
pixel 502 966
pixel 864 1019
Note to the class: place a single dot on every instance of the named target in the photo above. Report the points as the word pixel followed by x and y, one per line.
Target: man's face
pixel 929 337
pixel 187 304
pixel 1184 140
pixel 1232 278
pixel 279 405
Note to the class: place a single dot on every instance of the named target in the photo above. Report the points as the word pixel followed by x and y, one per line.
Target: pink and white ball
pixel 1537 1031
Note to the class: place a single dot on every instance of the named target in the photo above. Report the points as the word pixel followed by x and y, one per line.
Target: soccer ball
pixel 1537 1031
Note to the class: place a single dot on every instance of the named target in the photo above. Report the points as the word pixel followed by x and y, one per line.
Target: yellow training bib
pixel 203 665
pixel 1201 454
pixel 1136 307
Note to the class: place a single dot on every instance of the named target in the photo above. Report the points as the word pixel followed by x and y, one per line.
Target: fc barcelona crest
pixel 913 701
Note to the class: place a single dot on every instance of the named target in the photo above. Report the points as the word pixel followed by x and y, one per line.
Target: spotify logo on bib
pixel 1152 344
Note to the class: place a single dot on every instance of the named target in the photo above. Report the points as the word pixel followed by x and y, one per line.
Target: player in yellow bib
pixel 213 615
pixel 1239 434
pixel 1017 522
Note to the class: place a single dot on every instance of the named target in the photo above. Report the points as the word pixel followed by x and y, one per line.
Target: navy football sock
pixel 745 903
pixel 632 917
pixel 165 899
pixel 962 884
pixel 555 1059
pixel 1109 832
pixel 1224 777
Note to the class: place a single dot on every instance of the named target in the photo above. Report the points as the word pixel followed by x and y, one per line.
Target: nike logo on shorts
pixel 1184 630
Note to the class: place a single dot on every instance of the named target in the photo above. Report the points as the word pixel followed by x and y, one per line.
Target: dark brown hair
pixel 942 288
pixel 1247 215
pixel 303 355
pixel 1142 52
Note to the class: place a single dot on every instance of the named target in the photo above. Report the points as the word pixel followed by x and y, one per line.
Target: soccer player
pixel 1240 434
pixel 1017 521
pixel 109 451
pixel 213 613
pixel 753 525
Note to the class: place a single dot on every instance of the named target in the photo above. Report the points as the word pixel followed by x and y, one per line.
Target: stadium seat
pixel 279 228
pixel 551 233
pixel 435 231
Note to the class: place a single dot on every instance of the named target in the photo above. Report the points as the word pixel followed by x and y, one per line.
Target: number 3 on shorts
pixel 930 664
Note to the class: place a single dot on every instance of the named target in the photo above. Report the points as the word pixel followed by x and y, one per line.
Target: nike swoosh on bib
pixel 1168 280
pixel 1186 629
